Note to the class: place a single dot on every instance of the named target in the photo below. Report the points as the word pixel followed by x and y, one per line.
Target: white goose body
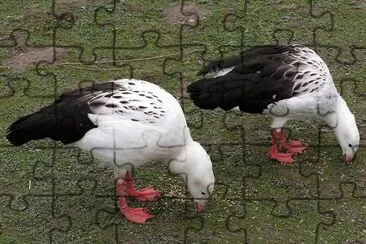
pixel 142 124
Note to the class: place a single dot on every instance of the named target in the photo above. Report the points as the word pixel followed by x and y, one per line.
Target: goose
pixel 284 82
pixel 124 124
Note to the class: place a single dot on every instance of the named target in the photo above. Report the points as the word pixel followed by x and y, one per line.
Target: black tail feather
pixel 224 92
pixel 67 125
pixel 31 127
pixel 65 120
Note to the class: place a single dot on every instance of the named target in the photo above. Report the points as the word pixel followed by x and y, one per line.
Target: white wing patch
pixel 220 72
pixel 223 72
pixel 130 101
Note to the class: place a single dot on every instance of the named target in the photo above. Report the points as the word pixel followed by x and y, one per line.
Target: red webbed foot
pixel 124 188
pixel 294 146
pixel 136 215
pixel 145 194
pixel 283 158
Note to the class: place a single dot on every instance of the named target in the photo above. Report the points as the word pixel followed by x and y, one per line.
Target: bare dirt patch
pixel 20 61
pixel 190 11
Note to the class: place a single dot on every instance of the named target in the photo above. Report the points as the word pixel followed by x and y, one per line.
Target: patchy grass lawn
pixel 52 193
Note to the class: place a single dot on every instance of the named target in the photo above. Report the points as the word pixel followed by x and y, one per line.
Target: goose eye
pixel 350 145
pixel 203 193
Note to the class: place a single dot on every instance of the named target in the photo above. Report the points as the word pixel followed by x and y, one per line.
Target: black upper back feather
pixel 261 75
pixel 247 55
pixel 65 120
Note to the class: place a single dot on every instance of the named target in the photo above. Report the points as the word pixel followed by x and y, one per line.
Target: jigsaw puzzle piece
pixel 228 154
pixel 195 18
pixel 26 189
pixel 82 206
pixel 27 175
pixel 7 45
pixel 258 21
pixel 348 15
pixel 6 42
pixel 6 86
pixel 333 171
pixel 224 202
pixel 214 127
pixel 186 14
pixel 279 182
pixel 360 54
pixel 67 77
pixel 83 187
pixel 33 222
pixel 191 18
pixel 252 127
pixel 73 30
pixel 147 56
pixel 353 90
pixel 353 86
pixel 255 220
pixel 81 174
pixel 349 208
pixel 176 69
pixel 83 165
pixel 283 36
pixel 159 229
pixel 20 55
pixel 30 85
pixel 14 202
pixel 231 169
pixel 23 60
pixel 32 17
pixel 360 91
pixel 226 157
pixel 167 19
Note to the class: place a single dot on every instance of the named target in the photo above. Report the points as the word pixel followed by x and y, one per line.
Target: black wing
pixel 261 75
pixel 65 120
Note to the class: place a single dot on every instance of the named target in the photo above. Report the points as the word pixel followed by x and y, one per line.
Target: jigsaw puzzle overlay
pixel 55 193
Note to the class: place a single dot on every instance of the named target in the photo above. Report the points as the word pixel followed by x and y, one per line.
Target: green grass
pixel 44 185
